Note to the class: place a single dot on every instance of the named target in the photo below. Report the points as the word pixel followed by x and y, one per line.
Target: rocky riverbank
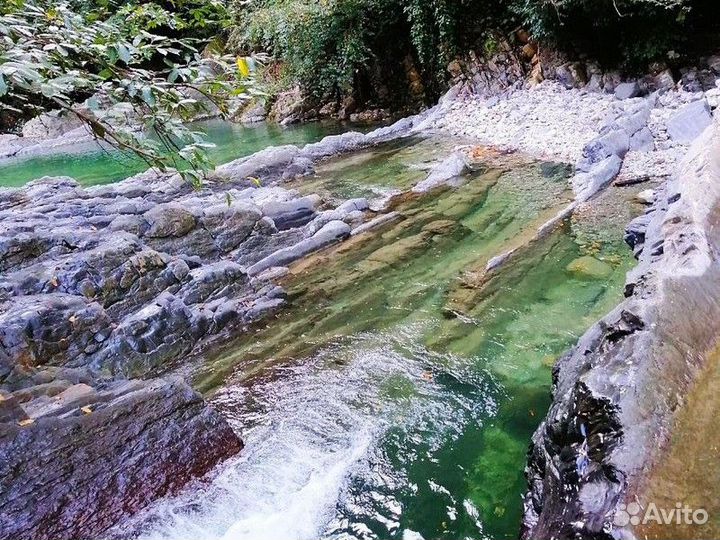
pixel 618 392
pixel 103 288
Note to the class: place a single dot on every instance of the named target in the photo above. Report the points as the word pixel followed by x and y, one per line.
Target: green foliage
pixel 331 46
pixel 142 83
pixel 629 33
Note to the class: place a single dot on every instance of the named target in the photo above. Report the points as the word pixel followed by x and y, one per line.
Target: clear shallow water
pixel 232 141
pixel 395 398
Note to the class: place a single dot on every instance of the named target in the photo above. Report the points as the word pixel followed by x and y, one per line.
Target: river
pixel 395 397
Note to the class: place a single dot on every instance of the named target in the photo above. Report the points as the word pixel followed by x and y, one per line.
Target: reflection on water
pixel 396 396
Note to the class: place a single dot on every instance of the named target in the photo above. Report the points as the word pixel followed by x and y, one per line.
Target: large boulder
pixel 73 464
pixel 627 90
pixel 689 122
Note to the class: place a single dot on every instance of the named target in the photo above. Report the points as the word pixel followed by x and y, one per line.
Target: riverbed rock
pixel 329 234
pixel 646 196
pixel 627 90
pixel 454 166
pixel 87 457
pixel 587 267
pixel 690 121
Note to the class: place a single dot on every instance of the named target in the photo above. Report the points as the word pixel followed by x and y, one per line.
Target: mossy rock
pixel 589 268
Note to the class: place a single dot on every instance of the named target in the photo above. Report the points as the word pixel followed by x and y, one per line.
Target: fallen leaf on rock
pixel 25 422
pixel 86 409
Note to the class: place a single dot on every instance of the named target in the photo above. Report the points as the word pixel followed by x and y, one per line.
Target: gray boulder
pixel 587 184
pixel 690 121
pixel 614 143
pixel 627 90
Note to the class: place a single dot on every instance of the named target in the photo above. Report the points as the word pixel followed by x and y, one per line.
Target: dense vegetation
pixel 333 46
pixel 159 63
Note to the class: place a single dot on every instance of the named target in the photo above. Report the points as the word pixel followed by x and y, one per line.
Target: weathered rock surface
pixel 690 121
pixel 452 167
pixel 102 286
pixel 74 458
pixel 616 393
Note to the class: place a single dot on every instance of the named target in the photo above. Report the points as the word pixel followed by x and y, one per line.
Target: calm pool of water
pixel 99 167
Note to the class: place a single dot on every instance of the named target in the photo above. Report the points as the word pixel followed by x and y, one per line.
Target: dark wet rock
pixel 50 329
pixel 291 214
pixel 144 340
pixel 91 456
pixel 617 392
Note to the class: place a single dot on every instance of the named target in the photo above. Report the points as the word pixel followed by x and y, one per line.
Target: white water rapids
pixel 313 463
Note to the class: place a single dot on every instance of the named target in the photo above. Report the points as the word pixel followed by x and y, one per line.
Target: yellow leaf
pixel 243 66
pixel 86 409
pixel 255 181
pixel 26 422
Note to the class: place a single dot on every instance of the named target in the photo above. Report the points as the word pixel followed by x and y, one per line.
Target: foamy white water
pixel 310 432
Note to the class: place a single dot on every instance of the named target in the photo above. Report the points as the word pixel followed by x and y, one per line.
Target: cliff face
pixel 618 392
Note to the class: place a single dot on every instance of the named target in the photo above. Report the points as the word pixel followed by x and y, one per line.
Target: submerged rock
pixel 590 268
